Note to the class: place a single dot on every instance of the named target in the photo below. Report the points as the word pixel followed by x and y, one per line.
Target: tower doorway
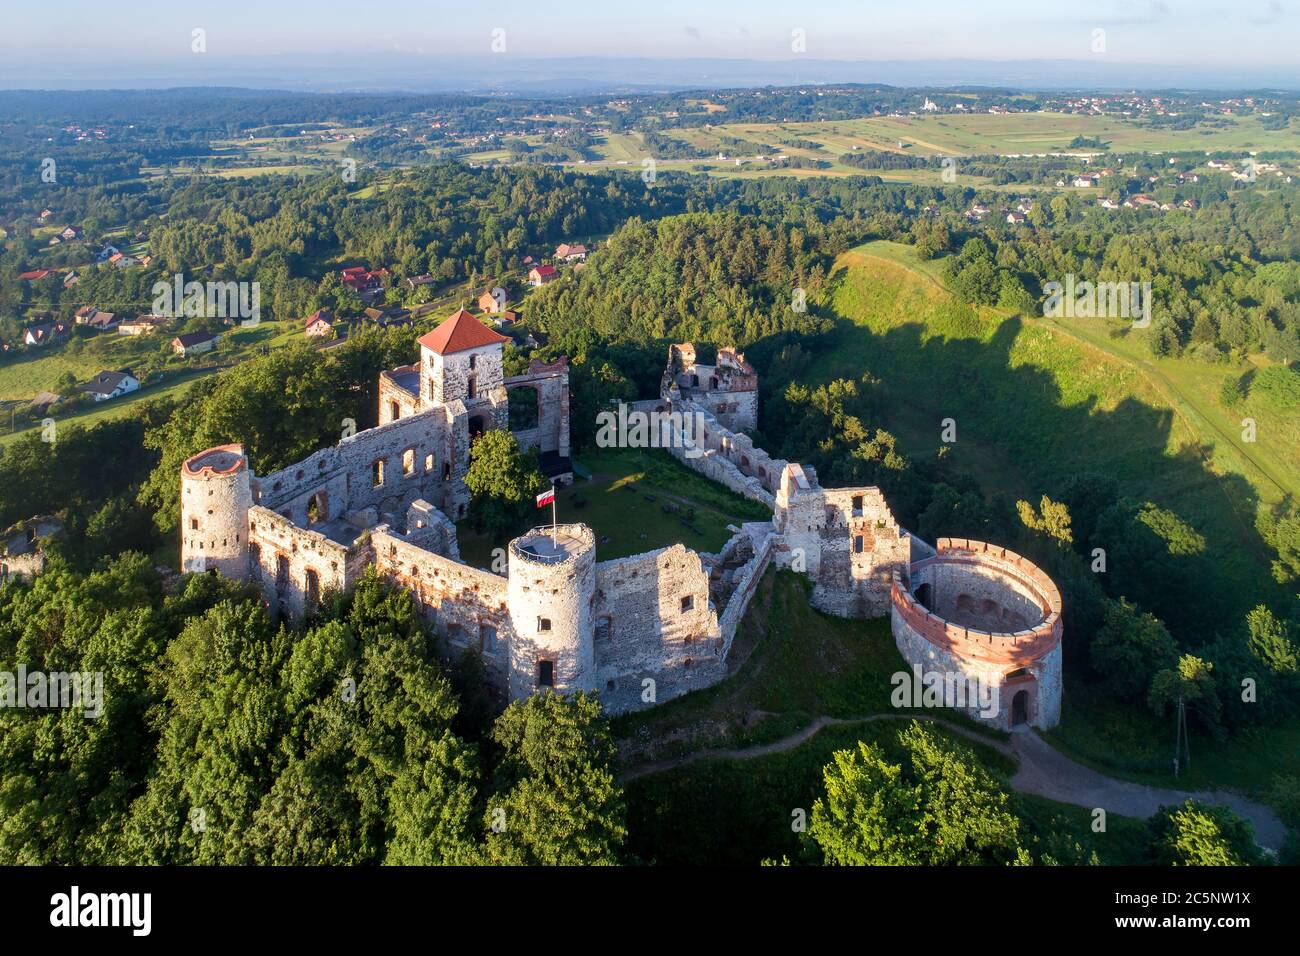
pixel 1020 708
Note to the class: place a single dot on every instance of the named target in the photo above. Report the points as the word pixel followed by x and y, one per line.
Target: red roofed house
pixel 320 324
pixel 540 275
pixel 567 253
pixel 35 275
pixel 493 301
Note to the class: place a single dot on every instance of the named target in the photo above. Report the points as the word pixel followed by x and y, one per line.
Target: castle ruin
pixel 641 629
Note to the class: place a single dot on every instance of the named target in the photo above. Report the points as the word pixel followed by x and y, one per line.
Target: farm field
pixel 984 133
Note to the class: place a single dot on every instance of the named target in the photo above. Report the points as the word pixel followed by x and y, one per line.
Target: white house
pixel 108 385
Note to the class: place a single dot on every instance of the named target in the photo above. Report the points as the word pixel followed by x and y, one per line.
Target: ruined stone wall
pixel 746 581
pixel 468 607
pixel 653 620
pixel 551 383
pixel 396 395
pixel 861 546
pixel 425 443
pixel 718 453
pixel 282 556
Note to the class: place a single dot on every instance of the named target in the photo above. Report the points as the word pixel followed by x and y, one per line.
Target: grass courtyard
pixel 636 500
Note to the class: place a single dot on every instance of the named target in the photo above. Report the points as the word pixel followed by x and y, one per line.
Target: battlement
pixel 221 461
pixel 980 601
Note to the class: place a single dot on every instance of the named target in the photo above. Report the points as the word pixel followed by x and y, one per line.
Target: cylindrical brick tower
pixel 215 498
pixel 552 582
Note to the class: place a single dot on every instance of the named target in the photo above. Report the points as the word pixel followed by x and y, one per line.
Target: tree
pixel 1131 648
pixel 1199 834
pixel 503 481
pixel 1191 680
pixel 556 802
pixel 1270 641
pixel 1051 519
pixel 938 806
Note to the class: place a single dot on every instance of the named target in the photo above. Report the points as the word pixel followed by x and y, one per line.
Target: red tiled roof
pixel 462 331
pixel 38 274
pixel 545 271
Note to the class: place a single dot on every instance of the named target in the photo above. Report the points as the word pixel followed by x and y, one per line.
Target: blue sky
pixel 1192 32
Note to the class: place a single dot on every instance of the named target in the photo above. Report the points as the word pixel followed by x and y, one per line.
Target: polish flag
pixel 546 498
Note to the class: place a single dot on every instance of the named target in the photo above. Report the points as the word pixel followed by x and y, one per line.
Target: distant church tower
pixel 215 498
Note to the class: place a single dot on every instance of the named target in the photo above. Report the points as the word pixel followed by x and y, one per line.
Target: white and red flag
pixel 546 497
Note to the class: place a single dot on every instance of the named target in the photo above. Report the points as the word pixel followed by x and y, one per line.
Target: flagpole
pixel 554 539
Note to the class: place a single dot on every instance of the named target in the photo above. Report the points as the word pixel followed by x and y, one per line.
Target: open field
pixel 124 406
pixel 985 133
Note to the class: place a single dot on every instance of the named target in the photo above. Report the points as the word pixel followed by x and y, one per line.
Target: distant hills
pixel 508 74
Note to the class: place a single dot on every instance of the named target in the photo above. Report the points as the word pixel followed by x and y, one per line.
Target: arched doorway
pixel 477 426
pixel 1020 708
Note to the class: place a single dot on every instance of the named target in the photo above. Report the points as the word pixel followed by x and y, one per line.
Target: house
pixel 43 400
pixel 388 316
pixel 1015 218
pixel 72 233
pixel 108 385
pixel 92 317
pixel 143 325
pixel 414 282
pixel 45 214
pixel 570 253
pixel 540 275
pixel 194 343
pixel 505 318
pixel 1085 180
pixel 977 211
pixel 1108 204
pixel 43 333
pixel 1140 200
pixel 1190 204
pixel 493 301
pixel 319 325
pixel 363 280
pixel 36 275
pixel 71 279
pixel 107 253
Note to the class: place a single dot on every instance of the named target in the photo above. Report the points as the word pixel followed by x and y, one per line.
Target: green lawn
pixel 120 407
pixel 637 501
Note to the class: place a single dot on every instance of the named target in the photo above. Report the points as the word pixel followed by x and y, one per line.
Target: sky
pixel 1193 33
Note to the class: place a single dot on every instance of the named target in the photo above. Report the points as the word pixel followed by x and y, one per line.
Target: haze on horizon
pixel 151 42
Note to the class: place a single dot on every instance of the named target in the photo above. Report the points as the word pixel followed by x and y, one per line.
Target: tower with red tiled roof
pixel 461 360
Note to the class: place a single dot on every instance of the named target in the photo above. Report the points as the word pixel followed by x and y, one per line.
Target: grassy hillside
pixel 1035 404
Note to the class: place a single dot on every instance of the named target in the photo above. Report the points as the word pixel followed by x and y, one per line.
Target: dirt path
pixel 1041 770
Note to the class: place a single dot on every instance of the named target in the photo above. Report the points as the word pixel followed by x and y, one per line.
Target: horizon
pixel 504 44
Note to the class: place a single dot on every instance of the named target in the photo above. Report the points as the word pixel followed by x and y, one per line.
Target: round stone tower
pixel 552 583
pixel 215 498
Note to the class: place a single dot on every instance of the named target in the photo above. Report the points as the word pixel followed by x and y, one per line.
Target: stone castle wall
pixel 653 619
pixel 999 586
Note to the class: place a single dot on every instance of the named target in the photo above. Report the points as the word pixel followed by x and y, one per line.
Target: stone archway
pixel 1020 708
